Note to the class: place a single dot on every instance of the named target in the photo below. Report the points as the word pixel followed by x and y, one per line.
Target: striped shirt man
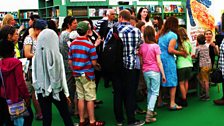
pixel 131 38
pixel 81 53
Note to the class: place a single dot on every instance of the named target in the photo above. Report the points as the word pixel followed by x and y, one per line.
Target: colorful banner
pixel 200 17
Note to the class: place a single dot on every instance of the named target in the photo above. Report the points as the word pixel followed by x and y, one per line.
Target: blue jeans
pixel 152 80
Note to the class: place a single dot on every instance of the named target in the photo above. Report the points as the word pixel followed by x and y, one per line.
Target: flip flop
pixel 175 108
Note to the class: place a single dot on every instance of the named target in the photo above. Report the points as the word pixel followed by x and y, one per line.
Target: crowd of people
pixel 66 66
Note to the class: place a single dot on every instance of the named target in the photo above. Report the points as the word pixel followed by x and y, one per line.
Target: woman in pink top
pixel 152 67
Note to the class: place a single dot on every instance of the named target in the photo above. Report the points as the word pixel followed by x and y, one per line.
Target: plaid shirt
pixel 131 38
pixel 221 57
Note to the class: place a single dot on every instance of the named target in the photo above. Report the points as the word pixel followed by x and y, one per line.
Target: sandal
pixel 149 117
pixel 175 108
pixel 154 113
pixel 97 123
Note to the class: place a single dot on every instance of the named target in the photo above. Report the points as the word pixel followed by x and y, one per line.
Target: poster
pixel 200 17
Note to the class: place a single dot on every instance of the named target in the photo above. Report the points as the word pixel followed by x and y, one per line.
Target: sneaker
pixel 76 124
pixel 202 96
pixel 212 84
pixel 137 123
pixel 206 98
pixel 119 124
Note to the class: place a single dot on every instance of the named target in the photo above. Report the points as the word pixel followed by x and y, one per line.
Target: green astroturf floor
pixel 198 113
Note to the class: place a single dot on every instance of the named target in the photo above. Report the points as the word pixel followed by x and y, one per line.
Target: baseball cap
pixel 82 27
pixel 40 24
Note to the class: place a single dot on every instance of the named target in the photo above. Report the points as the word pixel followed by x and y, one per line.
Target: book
pixel 79 12
pixel 173 8
pixel 158 9
pixel 25 64
pixel 151 9
pixel 101 11
pixel 57 12
pixel 92 12
pixel 180 8
pixel 167 8
pixel 69 12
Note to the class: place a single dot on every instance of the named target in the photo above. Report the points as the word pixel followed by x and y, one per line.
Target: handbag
pixel 216 76
pixel 17 109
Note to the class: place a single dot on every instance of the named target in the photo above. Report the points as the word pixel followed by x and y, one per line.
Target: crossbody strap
pixel 3 84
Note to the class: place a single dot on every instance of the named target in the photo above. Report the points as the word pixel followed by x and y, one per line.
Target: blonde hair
pixel 6 20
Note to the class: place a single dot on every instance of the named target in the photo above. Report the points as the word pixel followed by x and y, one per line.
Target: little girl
pixel 202 52
pixel 184 65
pixel 151 66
